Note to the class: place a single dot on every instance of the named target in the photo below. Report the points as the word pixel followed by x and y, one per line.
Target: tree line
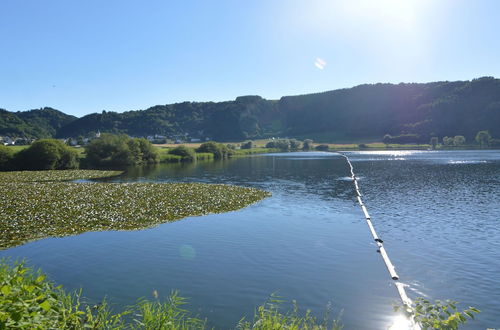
pixel 415 112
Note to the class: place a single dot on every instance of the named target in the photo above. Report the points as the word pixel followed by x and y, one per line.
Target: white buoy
pixel 407 302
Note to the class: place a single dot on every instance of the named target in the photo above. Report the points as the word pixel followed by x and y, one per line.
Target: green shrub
pixel 281 144
pixel 247 145
pixel 187 154
pixel 29 301
pixel 439 315
pixel 268 316
pixel 219 150
pixel 6 157
pixel 307 145
pixel 46 154
pixel 119 150
pixel 322 147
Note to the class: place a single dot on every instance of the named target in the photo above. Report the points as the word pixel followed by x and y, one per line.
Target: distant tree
pixel 187 154
pixel 295 144
pixel 459 140
pixel 219 150
pixel 322 147
pixel 494 142
pixel 231 146
pixel 387 139
pixel 46 154
pixel 447 141
pixel 119 150
pixel 434 142
pixel 483 138
pixel 79 140
pixel 282 144
pixel 6 157
pixel 247 145
pixel 307 144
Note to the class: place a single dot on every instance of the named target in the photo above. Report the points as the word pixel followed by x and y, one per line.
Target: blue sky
pixel 86 56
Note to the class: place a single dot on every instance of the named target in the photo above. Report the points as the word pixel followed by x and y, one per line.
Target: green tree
pixel 322 147
pixel 247 145
pixel 119 150
pixel 186 153
pixel 6 156
pixel 434 142
pixel 307 144
pixel 447 141
pixel 282 144
pixel 459 140
pixel 219 150
pixel 46 154
pixel 483 138
pixel 295 144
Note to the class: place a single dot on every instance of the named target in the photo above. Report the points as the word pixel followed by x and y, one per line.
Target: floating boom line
pixel 407 302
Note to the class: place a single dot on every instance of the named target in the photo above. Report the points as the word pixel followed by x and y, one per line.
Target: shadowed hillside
pixel 361 113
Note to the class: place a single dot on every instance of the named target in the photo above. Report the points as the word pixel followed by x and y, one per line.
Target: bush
pixel 294 144
pixel 119 150
pixel 307 145
pixel 29 301
pixel 46 154
pixel 439 315
pixel 6 157
pixel 322 147
pixel 494 142
pixel 268 316
pixel 186 153
pixel 282 144
pixel 247 145
pixel 219 150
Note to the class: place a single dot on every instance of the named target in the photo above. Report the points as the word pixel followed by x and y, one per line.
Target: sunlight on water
pixel 467 162
pixel 393 153
pixel 400 322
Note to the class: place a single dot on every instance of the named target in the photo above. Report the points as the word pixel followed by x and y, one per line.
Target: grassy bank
pixel 35 205
pixel 29 301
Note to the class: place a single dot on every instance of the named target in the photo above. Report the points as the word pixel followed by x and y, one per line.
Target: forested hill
pixel 39 123
pixel 361 113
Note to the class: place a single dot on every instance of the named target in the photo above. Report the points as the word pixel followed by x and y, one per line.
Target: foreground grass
pixel 29 301
pixel 31 210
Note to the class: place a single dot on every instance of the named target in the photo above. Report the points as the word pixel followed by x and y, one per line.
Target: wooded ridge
pixel 361 113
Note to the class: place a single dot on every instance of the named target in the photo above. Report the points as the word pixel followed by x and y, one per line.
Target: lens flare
pixel 320 63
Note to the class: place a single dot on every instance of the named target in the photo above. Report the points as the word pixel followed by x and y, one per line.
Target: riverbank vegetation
pixel 29 300
pixel 36 205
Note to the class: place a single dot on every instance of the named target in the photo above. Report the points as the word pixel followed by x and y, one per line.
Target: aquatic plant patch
pixel 35 210
pixel 51 176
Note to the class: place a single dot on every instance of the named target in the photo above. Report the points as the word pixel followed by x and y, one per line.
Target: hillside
pixel 361 113
pixel 39 123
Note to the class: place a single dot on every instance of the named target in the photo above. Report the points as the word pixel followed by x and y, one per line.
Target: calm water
pixel 436 211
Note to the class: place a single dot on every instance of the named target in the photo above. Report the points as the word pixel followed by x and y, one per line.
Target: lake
pixel 437 212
